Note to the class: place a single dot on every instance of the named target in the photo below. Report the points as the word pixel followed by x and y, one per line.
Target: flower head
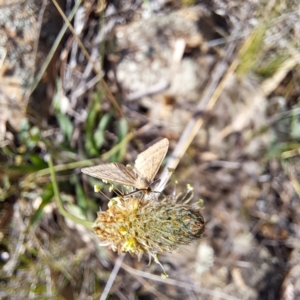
pixel 149 226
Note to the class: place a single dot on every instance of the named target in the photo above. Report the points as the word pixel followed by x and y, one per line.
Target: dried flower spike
pixel 142 226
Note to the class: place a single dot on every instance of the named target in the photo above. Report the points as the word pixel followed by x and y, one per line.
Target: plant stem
pixel 58 200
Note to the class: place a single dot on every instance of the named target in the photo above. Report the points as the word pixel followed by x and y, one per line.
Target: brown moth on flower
pixel 141 175
pixel 142 226
pixel 146 224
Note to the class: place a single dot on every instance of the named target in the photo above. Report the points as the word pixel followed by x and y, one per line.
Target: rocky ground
pixel 219 79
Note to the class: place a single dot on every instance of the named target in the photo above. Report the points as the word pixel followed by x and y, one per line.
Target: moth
pixel 141 175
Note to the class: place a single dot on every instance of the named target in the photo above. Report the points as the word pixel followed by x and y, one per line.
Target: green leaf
pixel 80 195
pixel 99 135
pixel 122 129
pixel 271 65
pixel 65 125
pixel 253 54
pixel 93 112
pixel 122 132
pixel 37 161
pixel 22 169
pixel 8 151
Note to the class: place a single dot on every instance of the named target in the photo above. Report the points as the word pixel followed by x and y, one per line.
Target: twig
pixel 83 88
pixel 36 44
pixel 150 287
pixel 207 102
pixel 185 285
pixel 53 49
pixel 103 31
pixel 88 57
pixel 112 276
pixel 151 90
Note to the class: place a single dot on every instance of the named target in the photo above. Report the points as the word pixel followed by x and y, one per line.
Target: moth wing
pixel 148 162
pixel 114 172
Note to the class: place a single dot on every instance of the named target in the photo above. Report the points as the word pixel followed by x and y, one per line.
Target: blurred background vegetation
pixel 117 77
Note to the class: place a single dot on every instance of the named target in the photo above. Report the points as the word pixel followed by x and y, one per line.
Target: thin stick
pixel 53 48
pixel 174 282
pixel 87 56
pixel 207 102
pixel 150 287
pixel 36 45
pixel 112 276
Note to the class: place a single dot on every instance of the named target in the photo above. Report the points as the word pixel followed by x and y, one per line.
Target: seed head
pixel 148 226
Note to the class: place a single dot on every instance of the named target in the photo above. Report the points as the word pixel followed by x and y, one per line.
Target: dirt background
pixel 129 74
